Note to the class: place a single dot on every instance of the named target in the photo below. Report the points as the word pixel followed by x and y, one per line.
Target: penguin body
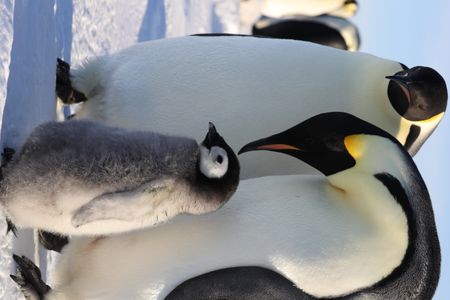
pixel 281 8
pixel 241 81
pixel 365 231
pixel 79 177
pixel 325 30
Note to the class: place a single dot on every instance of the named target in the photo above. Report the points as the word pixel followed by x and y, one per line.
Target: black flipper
pixel 240 283
pixel 29 279
pixel 64 89
pixel 51 241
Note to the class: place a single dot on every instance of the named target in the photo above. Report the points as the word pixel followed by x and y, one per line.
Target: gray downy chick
pixel 80 177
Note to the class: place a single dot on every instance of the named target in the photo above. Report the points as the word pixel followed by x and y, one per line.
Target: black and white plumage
pixel 251 10
pixel 189 80
pixel 80 177
pixel 365 231
pixel 325 30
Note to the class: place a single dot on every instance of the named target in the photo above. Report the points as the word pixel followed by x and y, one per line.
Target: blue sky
pixel 417 33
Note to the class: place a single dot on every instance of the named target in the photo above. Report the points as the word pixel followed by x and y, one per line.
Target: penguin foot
pixel 64 89
pixel 10 227
pixel 51 241
pixel 29 279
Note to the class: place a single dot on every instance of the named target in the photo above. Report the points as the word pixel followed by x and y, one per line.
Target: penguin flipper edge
pixel 123 205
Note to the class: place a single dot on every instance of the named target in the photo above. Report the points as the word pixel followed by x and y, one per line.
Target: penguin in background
pixel 80 177
pixel 325 30
pixel 365 230
pixel 252 10
pixel 281 8
pixel 189 80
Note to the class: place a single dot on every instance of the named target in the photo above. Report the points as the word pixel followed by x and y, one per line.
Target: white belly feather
pixel 295 225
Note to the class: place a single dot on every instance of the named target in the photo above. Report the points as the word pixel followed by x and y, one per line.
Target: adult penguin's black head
pixel 418 94
pixel 320 141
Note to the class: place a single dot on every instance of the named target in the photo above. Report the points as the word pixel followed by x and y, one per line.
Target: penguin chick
pixel 365 231
pixel 79 177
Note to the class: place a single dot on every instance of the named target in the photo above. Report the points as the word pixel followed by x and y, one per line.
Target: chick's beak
pixel 211 137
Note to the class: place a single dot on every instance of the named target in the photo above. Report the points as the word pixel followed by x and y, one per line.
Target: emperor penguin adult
pixel 365 230
pixel 81 177
pixel 250 86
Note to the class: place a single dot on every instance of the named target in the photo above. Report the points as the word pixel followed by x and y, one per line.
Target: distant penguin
pixel 325 30
pixel 251 86
pixel 80 177
pixel 281 8
pixel 365 231
pixel 252 10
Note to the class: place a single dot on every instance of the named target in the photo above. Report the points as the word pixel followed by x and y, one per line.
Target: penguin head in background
pixel 322 141
pixel 218 163
pixel 418 94
pixel 348 9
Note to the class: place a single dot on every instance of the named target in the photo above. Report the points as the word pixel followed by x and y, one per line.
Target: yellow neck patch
pixel 351 8
pixel 433 119
pixel 355 145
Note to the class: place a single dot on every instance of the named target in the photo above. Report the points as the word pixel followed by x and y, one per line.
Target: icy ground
pixel 33 33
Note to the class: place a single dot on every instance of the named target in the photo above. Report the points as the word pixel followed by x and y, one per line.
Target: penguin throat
pixel 380 233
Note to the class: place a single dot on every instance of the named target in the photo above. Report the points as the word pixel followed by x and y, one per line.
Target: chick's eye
pixel 219 159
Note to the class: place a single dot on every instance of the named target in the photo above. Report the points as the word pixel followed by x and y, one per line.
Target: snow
pixel 30 82
pixel 6 12
pixel 5 47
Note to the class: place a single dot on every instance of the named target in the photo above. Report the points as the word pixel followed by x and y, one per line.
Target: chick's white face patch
pixel 214 162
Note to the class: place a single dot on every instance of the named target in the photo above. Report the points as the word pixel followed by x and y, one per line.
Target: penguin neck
pixel 386 185
pixel 412 134
pixel 367 198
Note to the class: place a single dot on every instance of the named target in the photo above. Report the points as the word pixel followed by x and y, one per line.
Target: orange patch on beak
pixel 277 147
